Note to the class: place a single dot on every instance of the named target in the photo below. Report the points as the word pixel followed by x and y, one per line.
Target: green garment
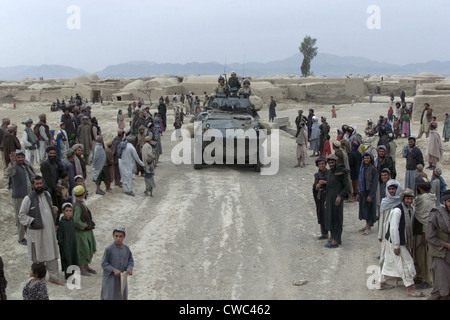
pixel 85 238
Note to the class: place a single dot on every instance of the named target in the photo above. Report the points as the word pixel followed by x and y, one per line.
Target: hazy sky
pixel 35 32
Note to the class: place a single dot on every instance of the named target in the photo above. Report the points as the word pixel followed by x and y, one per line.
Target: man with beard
pixel 413 157
pixel 423 204
pixel 42 131
pixel 51 170
pixel 117 139
pixel 10 143
pixel 367 188
pixel 20 174
pixel 39 215
pixel 319 194
pixel 392 199
pixel 337 189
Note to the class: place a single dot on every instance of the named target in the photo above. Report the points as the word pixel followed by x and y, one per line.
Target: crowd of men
pixel 408 214
pixel 411 217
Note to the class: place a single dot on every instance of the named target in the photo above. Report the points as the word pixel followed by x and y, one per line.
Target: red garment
pixel 326 149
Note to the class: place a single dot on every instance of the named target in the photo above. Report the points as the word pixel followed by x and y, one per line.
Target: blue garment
pixel 119 258
pixel 443 188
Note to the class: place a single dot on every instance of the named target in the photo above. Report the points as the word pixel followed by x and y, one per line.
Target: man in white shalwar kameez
pixel 41 235
pixel 392 199
pixel 398 261
pixel 127 165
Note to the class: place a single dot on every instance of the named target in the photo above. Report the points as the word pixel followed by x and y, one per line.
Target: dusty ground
pixel 220 232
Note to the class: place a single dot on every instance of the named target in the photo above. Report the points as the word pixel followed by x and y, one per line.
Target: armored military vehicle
pixel 227 114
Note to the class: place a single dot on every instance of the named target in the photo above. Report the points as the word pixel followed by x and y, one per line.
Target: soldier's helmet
pixel 246 81
pixel 221 78
pixel 233 73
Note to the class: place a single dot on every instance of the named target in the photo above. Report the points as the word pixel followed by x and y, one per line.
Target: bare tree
pixel 147 90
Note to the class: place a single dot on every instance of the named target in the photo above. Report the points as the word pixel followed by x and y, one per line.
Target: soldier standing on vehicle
pixel 246 91
pixel 222 87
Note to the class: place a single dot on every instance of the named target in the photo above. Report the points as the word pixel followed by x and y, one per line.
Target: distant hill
pixel 322 65
pixel 47 71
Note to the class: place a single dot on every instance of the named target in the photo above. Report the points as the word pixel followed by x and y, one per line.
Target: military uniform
pixel 222 88
pixel 245 91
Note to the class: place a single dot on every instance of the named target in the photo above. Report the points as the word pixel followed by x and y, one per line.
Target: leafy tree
pixel 309 51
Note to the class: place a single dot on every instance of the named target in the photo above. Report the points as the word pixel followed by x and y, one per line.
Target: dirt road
pixel 221 232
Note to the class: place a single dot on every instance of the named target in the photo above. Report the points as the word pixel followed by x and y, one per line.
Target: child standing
pixel 63 184
pixel 67 239
pixel 117 259
pixel 149 177
pixel 36 289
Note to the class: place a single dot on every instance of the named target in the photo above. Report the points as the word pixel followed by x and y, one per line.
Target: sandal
pixel 417 294
pixel 367 232
pixel 362 230
pixel 386 286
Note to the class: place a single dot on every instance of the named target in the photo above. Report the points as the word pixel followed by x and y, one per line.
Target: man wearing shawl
pixel 99 167
pixel 31 143
pixel 398 261
pixel 423 204
pixel 314 138
pixel 367 188
pixel 78 161
pixel 84 137
pixel 413 157
pixel 392 199
pixel 435 152
pixel 438 237
pixel 62 141
pixel 127 165
pixel 438 186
